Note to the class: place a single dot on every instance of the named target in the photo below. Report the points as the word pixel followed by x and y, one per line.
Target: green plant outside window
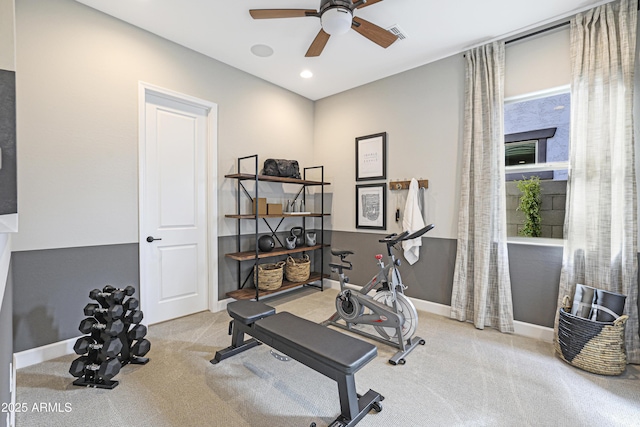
pixel 530 203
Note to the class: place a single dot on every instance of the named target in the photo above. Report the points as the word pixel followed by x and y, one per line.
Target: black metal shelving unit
pixel 255 255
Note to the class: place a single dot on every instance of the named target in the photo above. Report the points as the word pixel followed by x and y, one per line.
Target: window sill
pixel 536 241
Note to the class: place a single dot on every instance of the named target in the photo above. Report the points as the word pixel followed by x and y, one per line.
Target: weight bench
pixel 331 353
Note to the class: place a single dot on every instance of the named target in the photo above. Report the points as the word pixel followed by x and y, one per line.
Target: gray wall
pixel 8 188
pixel 534 283
pixel 52 288
pixel 228 268
pixel 6 343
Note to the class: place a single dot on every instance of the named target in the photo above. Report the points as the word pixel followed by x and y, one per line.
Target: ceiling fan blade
pixel 374 33
pixel 281 13
pixel 368 3
pixel 318 44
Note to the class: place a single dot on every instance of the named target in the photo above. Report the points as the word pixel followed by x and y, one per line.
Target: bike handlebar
pixel 394 238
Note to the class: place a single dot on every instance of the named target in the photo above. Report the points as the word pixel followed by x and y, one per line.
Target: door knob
pixel 151 239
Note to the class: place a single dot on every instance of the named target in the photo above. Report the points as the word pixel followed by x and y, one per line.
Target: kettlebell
pixel 310 238
pixel 298 232
pixel 290 243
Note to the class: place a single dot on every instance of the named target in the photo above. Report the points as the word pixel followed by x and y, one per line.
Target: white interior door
pixel 173 207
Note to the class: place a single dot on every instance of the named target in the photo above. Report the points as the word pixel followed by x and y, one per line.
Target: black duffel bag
pixel 281 167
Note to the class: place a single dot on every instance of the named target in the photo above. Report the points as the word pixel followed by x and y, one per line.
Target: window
pixel 537 144
pixel 521 152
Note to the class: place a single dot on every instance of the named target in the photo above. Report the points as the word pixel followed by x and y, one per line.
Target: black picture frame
pixel 371 157
pixel 371 206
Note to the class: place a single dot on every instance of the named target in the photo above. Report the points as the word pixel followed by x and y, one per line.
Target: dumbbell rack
pixel 111 319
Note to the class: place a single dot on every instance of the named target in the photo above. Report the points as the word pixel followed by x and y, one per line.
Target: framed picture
pixel 371 206
pixel 371 157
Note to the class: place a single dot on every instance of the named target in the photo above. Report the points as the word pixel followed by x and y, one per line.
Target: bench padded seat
pixel 247 312
pixel 328 347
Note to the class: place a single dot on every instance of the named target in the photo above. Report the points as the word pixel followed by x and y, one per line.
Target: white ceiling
pixel 435 28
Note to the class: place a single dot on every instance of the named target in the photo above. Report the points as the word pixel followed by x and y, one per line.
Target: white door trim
pixel 212 181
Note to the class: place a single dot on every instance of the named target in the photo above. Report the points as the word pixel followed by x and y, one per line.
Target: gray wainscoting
pixel 535 272
pixel 8 188
pixel 52 287
pixel 6 343
pixel 228 268
pixel 428 279
pixel 535 278
pixel 49 288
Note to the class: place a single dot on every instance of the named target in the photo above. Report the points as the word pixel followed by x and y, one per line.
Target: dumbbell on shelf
pixel 128 291
pixel 95 374
pixel 110 348
pixel 137 333
pixel 111 313
pixel 140 348
pixel 130 304
pixel 91 324
pixel 114 297
pixel 134 317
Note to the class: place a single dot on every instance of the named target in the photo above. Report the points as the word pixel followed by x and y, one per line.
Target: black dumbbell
pixel 111 313
pixel 115 296
pixel 129 290
pixel 90 324
pixel 130 304
pixel 106 370
pixel 134 317
pixel 137 333
pixel 110 348
pixel 141 347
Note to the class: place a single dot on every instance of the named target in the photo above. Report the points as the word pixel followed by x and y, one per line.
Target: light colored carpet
pixel 461 377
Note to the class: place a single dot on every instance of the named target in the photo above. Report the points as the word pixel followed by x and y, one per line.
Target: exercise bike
pixel 392 315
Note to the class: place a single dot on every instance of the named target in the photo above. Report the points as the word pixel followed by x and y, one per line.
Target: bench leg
pixel 352 406
pixel 238 344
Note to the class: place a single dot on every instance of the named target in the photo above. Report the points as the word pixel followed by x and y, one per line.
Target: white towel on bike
pixel 412 221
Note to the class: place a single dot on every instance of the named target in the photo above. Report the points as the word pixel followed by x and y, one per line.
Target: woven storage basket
pixel 596 347
pixel 269 276
pixel 298 269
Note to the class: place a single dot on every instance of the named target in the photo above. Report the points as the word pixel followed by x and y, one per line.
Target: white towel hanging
pixel 412 221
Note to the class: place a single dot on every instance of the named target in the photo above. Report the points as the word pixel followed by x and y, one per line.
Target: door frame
pixel 145 89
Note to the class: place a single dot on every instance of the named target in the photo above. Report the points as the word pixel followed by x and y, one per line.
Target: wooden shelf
pixel 284 215
pixel 249 255
pixel 250 293
pixel 248 176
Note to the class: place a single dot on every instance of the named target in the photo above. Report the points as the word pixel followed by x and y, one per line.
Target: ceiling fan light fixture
pixel 336 20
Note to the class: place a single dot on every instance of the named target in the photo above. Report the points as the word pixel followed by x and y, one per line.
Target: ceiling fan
pixel 336 17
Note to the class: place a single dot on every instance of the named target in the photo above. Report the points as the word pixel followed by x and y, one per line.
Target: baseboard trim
pixel 530 330
pixel 524 329
pixel 37 355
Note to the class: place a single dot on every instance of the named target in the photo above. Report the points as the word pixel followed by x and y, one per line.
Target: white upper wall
pixel 422 112
pixel 77 102
pixel 7 35
pixel 77 123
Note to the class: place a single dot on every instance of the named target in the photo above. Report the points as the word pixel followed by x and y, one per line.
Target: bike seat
pixel 339 252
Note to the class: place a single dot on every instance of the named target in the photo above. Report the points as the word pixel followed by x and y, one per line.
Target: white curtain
pixel 600 228
pixel 481 284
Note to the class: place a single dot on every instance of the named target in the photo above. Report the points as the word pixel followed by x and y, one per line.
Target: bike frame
pixel 382 315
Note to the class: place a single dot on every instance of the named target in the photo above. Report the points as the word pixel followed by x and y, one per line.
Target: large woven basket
pixel 268 276
pixel 594 346
pixel 298 269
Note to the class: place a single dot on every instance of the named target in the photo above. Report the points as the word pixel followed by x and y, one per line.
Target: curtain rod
pixel 535 33
pixel 544 30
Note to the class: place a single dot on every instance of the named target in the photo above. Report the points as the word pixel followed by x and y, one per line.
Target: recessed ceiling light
pixel 306 74
pixel 261 50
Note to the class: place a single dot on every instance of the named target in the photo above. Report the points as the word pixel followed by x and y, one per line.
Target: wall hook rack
pixel 404 185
